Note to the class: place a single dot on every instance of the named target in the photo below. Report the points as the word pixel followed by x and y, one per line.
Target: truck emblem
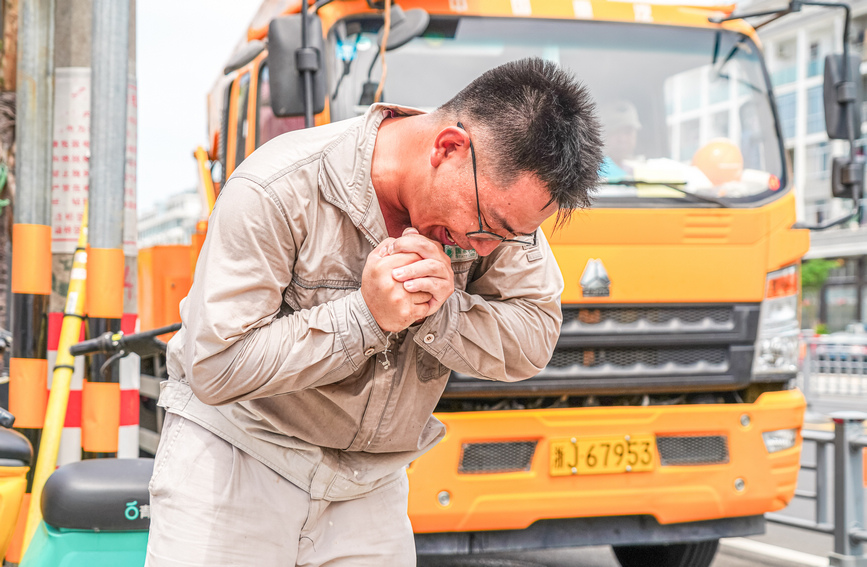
pixel 594 280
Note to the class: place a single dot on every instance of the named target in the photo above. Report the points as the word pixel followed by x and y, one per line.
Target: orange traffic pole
pixel 58 399
pixel 31 230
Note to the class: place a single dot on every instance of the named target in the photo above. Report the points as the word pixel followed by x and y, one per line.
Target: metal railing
pixel 834 369
pixel 845 489
pixel 837 494
pixel 830 369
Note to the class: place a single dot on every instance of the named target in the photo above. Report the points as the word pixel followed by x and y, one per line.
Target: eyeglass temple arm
pixel 475 181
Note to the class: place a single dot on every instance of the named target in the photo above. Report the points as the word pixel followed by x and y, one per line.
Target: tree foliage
pixel 815 272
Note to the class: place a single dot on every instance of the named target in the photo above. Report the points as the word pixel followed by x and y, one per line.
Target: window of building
pixel 718 91
pixel 841 302
pixel 786 109
pixel 784 69
pixel 816 62
pixel 690 91
pixel 847 269
pixel 815 110
pixel 818 158
pixel 719 125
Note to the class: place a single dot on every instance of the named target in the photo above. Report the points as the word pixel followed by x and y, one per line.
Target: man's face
pixel 448 211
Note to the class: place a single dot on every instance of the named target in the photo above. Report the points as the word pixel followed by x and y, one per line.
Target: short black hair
pixel 541 121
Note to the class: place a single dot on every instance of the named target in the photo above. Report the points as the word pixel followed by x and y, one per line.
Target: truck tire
pixel 695 554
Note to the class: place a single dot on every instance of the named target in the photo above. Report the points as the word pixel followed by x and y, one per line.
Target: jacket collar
pixel 344 175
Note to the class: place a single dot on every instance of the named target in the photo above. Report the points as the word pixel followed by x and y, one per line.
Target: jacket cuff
pixel 437 330
pixel 357 330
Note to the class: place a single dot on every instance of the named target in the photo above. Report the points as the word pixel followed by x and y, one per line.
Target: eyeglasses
pixel 482 234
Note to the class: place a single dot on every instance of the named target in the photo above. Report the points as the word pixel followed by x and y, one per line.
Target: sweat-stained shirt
pixel 278 353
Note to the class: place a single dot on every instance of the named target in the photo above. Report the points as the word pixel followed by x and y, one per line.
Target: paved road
pixel 575 557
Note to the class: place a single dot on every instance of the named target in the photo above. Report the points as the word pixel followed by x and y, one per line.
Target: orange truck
pixel 667 417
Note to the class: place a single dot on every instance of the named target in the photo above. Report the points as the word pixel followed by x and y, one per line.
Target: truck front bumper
pixel 750 482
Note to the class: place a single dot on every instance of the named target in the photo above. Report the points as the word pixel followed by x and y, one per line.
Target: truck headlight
pixel 779 440
pixel 779 321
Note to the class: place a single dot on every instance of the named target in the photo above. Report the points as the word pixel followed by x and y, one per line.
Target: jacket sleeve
pixel 507 322
pixel 235 343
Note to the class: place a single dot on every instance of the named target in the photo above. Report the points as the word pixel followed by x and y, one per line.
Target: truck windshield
pixel 686 112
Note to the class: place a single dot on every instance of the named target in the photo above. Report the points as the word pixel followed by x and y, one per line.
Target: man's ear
pixel 449 142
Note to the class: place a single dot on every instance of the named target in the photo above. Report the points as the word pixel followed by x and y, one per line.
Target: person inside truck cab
pixel 347 270
pixel 620 127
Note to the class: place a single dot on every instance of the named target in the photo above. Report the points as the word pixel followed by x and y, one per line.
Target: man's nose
pixel 485 247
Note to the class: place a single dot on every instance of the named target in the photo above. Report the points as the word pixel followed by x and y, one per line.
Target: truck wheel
pixel 696 554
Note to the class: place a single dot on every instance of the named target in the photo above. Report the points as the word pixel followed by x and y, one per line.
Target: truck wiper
pixel 676 185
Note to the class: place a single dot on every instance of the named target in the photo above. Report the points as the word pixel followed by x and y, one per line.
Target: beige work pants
pixel 213 505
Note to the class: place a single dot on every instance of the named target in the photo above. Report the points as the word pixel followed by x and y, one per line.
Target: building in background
pixel 795 48
pixel 171 220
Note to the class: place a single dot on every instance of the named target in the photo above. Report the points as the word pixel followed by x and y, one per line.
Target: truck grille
pixel 501 457
pixel 576 318
pixel 705 450
pixel 652 359
pixel 616 350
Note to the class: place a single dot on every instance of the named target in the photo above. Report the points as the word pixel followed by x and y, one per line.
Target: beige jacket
pixel 278 353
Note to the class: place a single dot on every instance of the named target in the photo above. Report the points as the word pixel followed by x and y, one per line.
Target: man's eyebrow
pixel 506 226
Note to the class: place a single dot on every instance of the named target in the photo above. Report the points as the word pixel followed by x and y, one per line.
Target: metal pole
pixel 105 272
pixel 306 74
pixel 108 122
pixel 821 482
pixel 848 490
pixel 806 371
pixel 31 229
pixel 35 112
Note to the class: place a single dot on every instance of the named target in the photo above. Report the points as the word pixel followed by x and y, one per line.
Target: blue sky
pixel 178 58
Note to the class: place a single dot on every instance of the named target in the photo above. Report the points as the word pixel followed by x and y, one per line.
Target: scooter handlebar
pixel 103 343
pixel 143 344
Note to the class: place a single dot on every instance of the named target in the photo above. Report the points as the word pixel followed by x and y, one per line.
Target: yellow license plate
pixel 602 455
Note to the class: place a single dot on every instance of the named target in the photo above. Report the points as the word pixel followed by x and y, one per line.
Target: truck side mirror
pixel 405 26
pixel 843 99
pixel 847 176
pixel 839 91
pixel 286 61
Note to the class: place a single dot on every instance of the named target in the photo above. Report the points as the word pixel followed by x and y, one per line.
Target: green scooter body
pixel 53 547
pixel 95 513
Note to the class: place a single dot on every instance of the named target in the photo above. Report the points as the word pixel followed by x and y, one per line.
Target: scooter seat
pixel 99 495
pixel 15 449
